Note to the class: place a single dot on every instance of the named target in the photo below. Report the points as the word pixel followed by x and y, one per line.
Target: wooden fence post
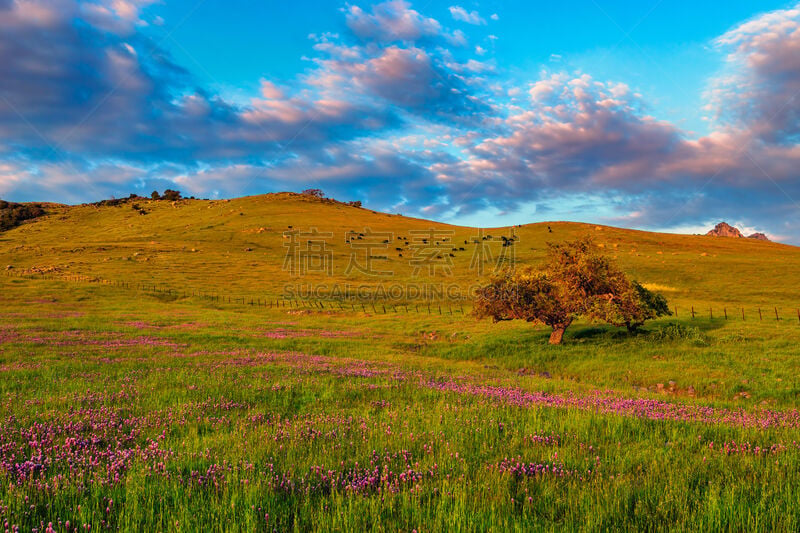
pixel 759 314
pixel 777 318
pixel 692 312
pixel 743 319
pixel 724 310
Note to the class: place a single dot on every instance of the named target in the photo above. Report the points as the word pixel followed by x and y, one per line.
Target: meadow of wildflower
pixel 127 410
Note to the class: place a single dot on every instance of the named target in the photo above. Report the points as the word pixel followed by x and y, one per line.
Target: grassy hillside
pixel 123 409
pixel 238 246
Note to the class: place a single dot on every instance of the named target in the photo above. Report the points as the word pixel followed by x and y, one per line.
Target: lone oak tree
pixel 574 281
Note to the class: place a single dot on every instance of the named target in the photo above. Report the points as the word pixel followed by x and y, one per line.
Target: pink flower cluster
pixel 389 472
pixel 609 403
pixel 283 333
pixel 517 468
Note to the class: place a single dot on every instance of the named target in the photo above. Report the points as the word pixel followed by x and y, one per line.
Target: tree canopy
pixel 574 281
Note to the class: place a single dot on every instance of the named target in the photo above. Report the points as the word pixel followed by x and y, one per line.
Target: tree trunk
pixel 557 334
pixel 633 326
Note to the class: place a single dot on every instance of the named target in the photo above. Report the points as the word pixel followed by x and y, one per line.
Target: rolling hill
pixel 240 246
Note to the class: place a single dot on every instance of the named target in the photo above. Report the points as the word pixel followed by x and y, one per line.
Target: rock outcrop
pixel 723 229
pixel 759 236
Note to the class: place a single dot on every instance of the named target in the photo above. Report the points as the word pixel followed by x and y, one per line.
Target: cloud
pixel 577 133
pixel 391 21
pixel 87 90
pixel 66 84
pixel 118 16
pixel 759 90
pixel 81 98
pixel 395 110
pixel 470 17
pixel 418 80
pixel 578 136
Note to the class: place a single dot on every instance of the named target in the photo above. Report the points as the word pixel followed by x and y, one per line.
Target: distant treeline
pixel 169 195
pixel 13 214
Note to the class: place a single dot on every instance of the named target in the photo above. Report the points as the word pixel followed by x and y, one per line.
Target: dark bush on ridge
pixel 13 214
pixel 171 195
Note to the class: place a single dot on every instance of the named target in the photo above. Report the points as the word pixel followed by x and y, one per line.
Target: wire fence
pixel 436 307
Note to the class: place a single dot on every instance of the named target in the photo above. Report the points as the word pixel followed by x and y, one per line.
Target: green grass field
pixel 127 409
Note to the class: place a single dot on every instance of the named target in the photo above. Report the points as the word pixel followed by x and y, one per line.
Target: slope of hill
pixel 242 246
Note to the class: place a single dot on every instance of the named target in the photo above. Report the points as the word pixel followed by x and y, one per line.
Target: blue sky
pixel 654 114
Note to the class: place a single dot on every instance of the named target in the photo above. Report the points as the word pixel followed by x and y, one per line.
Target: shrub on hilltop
pixel 13 214
pixel 318 194
pixel 169 195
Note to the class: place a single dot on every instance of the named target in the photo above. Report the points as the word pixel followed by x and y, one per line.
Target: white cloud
pixel 470 17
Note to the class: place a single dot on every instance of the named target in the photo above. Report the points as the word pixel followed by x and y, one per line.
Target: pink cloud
pixel 393 20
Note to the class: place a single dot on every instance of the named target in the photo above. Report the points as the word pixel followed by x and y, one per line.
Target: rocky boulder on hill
pixel 759 236
pixel 723 229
